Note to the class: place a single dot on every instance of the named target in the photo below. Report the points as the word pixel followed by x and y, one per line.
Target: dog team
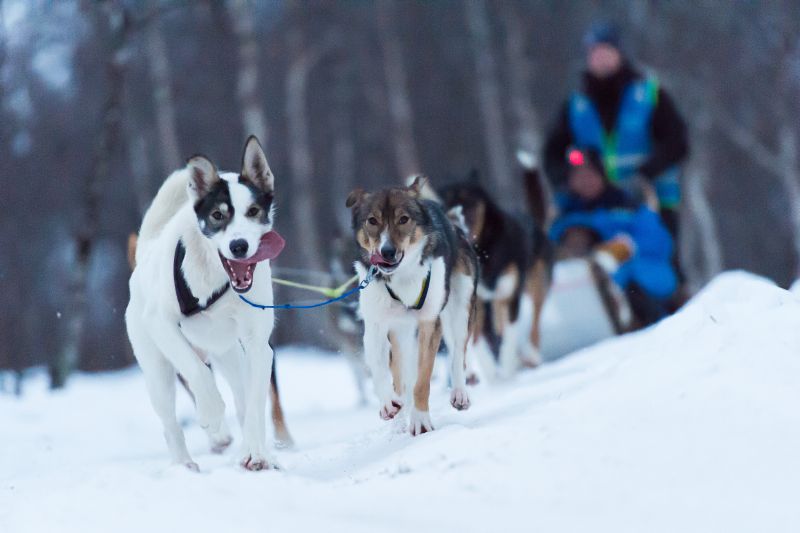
pixel 450 267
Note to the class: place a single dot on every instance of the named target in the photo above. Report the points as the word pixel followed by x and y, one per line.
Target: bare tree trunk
pixel 705 241
pixel 160 72
pixel 140 169
pixel 397 90
pixel 787 137
pixel 529 133
pixel 790 178
pixel 344 149
pixel 489 103
pixel 300 153
pixel 115 22
pixel 254 121
pixel 3 39
pixel 783 164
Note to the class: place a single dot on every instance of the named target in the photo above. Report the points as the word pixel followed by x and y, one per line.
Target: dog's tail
pixel 536 190
pixel 170 198
pixel 427 191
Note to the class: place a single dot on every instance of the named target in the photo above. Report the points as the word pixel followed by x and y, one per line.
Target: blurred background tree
pixel 100 100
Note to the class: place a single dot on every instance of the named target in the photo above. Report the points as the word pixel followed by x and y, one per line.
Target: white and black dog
pixel 206 232
pixel 424 291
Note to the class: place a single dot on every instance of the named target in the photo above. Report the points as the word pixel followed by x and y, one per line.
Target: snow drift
pixel 692 425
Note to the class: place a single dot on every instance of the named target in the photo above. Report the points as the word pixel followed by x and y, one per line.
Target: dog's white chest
pixel 215 329
pixel 220 328
pixel 407 292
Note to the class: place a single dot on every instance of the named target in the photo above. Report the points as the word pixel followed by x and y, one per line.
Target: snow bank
pixel 692 425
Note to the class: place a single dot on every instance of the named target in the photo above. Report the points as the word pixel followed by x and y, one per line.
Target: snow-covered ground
pixel 693 425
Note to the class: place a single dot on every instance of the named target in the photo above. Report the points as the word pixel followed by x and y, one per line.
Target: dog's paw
pixel 221 439
pixel 528 362
pixel 256 463
pixel 219 446
pixel 211 415
pixel 283 440
pixel 530 357
pixel 191 465
pixel 459 399
pixel 391 407
pixel 419 422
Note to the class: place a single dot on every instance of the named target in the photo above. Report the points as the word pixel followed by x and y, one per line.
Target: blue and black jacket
pixel 632 122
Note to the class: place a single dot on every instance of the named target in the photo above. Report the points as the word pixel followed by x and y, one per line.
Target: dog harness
pixel 423 293
pixel 187 301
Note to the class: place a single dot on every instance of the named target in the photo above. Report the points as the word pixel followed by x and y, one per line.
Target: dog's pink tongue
pixel 376 259
pixel 270 247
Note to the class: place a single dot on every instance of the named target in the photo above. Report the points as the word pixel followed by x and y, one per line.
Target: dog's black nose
pixel 388 252
pixel 239 248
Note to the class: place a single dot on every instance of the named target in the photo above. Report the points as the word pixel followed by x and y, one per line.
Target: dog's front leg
pixel 455 326
pixel 376 352
pixel 258 355
pixel 175 347
pixel 430 335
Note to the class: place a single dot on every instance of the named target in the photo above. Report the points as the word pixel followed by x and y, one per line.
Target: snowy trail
pixel 693 425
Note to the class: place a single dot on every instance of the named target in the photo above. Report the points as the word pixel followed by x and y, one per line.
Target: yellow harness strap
pixel 334 292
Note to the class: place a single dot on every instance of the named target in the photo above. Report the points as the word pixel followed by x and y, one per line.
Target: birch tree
pixel 344 147
pixel 701 246
pixel 160 74
pixel 254 120
pixel 113 24
pixel 301 161
pixel 397 91
pixel 520 69
pixel 489 103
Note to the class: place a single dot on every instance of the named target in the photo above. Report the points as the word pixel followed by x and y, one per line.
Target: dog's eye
pixel 253 211
pixel 403 219
pixel 372 221
pixel 217 215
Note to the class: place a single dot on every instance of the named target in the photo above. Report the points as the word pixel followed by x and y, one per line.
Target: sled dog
pixel 423 291
pixel 206 238
pixel 282 436
pixel 516 260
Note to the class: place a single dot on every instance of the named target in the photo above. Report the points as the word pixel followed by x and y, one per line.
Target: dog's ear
pixel 202 176
pixel 255 167
pixel 355 198
pixel 418 185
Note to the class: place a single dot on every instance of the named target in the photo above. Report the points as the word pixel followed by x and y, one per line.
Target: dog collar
pixel 423 293
pixel 187 301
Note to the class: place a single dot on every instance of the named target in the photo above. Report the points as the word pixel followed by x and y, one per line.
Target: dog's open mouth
pixel 240 271
pixel 383 264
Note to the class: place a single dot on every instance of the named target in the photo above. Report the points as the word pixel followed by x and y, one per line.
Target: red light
pixel 575 158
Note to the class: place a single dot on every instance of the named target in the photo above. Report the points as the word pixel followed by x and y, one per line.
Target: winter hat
pixel 602 32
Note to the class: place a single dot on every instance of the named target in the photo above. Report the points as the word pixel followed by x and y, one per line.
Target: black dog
pixel 516 259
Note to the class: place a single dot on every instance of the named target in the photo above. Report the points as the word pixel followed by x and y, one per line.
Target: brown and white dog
pixel 424 290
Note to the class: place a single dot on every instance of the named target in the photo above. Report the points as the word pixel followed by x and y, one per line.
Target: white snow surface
pixel 692 425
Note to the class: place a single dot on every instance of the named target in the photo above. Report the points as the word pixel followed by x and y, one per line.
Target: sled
pixel 582 308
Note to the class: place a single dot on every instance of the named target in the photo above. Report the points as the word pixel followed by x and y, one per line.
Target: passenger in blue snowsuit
pixel 600 216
